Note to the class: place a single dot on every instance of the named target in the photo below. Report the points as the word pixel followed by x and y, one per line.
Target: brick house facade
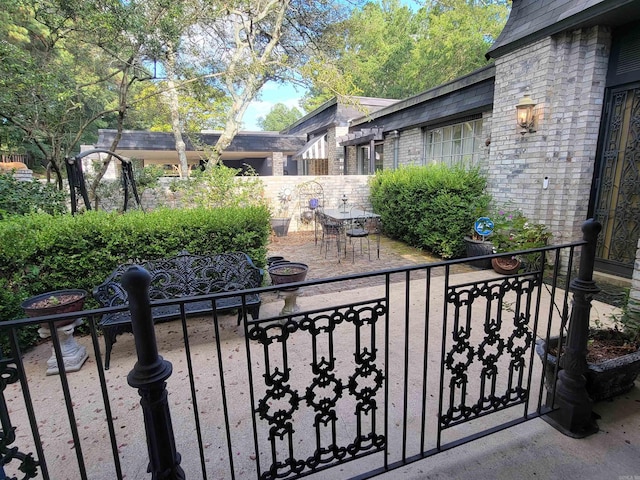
pixel 571 58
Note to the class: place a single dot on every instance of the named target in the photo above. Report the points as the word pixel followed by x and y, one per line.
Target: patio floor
pixel 530 450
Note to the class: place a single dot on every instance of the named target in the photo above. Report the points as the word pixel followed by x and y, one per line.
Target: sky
pixel 271 94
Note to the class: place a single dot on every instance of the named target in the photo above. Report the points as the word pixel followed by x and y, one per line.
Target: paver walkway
pixel 301 247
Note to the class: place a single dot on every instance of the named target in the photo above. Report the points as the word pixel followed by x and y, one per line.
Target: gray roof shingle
pixel 531 20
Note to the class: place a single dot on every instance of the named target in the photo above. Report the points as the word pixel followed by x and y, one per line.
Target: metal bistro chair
pixel 362 228
pixel 331 230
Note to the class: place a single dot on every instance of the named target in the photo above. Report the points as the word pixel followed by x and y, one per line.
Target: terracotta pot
pixel 506 265
pixel 68 301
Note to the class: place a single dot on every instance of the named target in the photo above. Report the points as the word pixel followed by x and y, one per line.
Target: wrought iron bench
pixel 184 275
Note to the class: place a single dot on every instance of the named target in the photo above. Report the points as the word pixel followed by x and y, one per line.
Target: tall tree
pixel 394 51
pixel 458 34
pixel 242 44
pixel 279 117
pixel 66 72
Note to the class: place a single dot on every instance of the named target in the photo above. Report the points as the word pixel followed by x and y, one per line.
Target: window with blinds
pixel 454 144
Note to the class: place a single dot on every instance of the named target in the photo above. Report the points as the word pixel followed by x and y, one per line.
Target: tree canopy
pixel 279 117
pixel 391 50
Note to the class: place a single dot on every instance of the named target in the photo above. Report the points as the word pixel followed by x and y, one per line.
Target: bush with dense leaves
pixel 24 197
pixel 430 207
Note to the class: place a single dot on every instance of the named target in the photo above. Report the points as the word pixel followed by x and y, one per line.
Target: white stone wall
pixel 634 293
pixel 565 76
pixel 355 187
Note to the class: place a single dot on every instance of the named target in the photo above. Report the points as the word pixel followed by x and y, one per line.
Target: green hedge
pixel 40 252
pixel 430 207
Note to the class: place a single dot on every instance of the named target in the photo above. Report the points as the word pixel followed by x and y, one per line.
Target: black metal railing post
pixel 148 376
pixel 574 416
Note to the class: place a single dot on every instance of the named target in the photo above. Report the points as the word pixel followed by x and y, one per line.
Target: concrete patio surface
pixel 533 450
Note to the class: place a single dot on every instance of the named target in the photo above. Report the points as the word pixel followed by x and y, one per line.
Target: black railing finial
pixel 148 376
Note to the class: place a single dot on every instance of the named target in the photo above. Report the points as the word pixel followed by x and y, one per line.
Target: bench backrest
pixel 185 275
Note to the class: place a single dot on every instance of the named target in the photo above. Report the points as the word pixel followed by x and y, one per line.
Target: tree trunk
pixel 172 92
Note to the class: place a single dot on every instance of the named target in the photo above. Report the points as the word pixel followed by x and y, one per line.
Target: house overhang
pixel 360 137
pixel 160 147
pixel 532 20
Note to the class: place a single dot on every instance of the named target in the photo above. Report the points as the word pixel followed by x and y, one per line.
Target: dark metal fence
pixel 369 372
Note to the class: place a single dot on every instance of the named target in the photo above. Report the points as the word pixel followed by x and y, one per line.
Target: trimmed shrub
pixel 430 207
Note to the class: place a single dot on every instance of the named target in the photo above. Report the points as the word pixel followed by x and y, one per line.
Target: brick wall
pixel 565 76
pixel 355 187
pixel 334 150
pixel 411 149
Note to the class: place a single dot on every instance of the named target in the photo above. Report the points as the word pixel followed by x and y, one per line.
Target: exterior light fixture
pixel 524 112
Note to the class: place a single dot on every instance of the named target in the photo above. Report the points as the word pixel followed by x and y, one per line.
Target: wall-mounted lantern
pixel 524 112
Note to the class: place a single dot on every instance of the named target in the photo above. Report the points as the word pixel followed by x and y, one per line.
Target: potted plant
pixel 512 232
pixel 478 244
pixel 281 219
pixel 287 272
pixel 613 357
pixel 53 303
pixel 283 272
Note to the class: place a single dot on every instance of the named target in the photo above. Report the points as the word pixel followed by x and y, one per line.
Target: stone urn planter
pixel 54 303
pixel 287 272
pixel 605 379
pixel 284 273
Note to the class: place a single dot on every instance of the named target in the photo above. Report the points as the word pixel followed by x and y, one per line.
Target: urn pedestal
pixel 53 303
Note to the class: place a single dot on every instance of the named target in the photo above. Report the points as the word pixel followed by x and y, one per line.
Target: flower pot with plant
pixel 613 356
pixel 53 303
pixel 478 244
pixel 288 272
pixel 513 232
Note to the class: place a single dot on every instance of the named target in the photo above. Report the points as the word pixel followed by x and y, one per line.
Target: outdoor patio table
pixel 340 215
pixel 346 217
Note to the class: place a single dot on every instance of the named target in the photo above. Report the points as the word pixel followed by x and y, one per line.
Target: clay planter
pixel 506 265
pixel 289 272
pixel 605 380
pixel 479 248
pixel 54 303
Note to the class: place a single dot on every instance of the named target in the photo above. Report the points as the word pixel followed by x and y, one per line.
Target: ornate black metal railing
pixel 370 372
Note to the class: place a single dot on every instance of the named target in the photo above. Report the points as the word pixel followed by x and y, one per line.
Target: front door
pixel 617 204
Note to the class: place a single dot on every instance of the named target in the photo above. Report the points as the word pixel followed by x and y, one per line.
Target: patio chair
pixel 331 231
pixel 360 227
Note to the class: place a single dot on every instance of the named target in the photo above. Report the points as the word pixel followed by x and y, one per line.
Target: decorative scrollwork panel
pixel 317 366
pixel 485 363
pixel 28 465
